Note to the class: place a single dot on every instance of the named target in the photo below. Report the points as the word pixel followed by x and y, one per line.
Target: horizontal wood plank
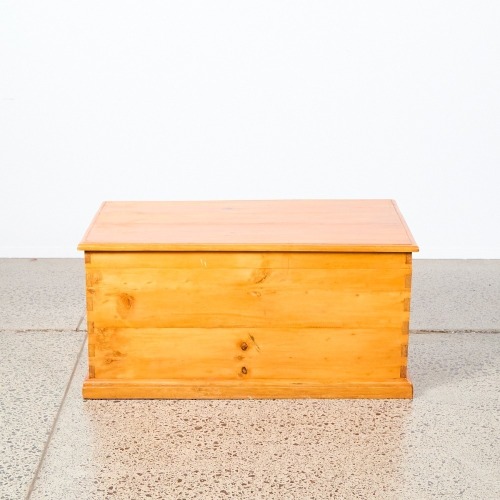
pixel 265 280
pixel 331 354
pixel 236 307
pixel 232 297
pixel 248 260
pixel 203 389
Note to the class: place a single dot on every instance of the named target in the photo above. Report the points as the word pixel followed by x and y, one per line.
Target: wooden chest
pixel 248 299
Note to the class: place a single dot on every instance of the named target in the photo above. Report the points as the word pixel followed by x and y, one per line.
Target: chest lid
pixel 278 225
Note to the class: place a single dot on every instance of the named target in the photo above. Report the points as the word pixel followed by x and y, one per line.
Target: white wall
pixel 233 99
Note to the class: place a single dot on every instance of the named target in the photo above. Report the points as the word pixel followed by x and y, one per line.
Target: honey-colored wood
pixel 231 317
pixel 299 225
pixel 230 389
pixel 264 353
pixel 245 260
pixel 214 298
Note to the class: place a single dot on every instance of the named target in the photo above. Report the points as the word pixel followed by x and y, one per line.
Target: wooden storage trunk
pixel 248 299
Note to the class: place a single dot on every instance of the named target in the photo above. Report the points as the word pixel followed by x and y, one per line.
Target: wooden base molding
pixel 268 389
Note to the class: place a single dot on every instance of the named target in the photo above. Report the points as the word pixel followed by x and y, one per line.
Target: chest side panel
pixel 247 315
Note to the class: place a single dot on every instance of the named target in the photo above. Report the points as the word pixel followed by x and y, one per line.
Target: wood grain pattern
pixel 230 389
pixel 246 260
pixel 305 225
pixel 264 353
pixel 237 296
pixel 293 308
pixel 213 307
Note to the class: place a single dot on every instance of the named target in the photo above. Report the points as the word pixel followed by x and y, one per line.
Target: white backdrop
pixel 119 100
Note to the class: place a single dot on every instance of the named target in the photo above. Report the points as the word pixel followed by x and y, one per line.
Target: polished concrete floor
pixel 445 443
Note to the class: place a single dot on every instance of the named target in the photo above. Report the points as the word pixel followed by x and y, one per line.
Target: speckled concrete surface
pixel 443 444
pixel 41 294
pixel 34 371
pixel 456 295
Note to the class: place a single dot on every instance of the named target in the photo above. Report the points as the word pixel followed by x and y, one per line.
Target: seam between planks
pixel 55 422
pixel 417 331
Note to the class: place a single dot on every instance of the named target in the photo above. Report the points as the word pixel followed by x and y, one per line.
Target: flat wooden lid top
pixel 299 225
